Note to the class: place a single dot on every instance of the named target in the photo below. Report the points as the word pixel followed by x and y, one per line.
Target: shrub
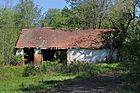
pixel 88 69
pixel 73 68
pixel 31 70
pixel 15 59
pixel 54 66
pixel 19 58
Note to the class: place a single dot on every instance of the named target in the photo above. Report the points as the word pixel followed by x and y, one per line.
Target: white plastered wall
pixel 88 55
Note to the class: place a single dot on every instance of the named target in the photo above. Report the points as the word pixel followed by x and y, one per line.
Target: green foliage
pixel 83 14
pixel 8 35
pixel 49 17
pixel 55 18
pixel 12 80
pixel 12 21
pixel 19 58
pixel 27 14
pixel 88 69
pixel 87 14
pixel 54 66
pixel 131 52
pixel 31 71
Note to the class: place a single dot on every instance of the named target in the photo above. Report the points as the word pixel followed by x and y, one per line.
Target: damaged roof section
pixel 49 38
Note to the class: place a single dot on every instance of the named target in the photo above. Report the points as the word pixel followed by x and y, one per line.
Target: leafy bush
pixel 74 68
pixel 19 58
pixel 131 56
pixel 15 59
pixel 54 66
pixel 31 71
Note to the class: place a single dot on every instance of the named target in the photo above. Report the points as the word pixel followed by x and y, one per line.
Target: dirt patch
pixel 100 84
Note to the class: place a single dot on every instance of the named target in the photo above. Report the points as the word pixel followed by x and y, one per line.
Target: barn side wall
pixel 89 55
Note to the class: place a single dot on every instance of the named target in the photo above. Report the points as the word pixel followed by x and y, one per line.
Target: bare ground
pixel 105 83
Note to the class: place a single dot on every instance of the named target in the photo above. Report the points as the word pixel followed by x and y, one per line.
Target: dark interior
pixel 48 55
pixel 51 55
pixel 63 55
pixel 29 55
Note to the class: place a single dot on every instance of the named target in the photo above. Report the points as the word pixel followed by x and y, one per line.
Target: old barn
pixel 44 44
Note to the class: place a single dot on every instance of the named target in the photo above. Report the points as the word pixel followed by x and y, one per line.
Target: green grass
pixel 11 80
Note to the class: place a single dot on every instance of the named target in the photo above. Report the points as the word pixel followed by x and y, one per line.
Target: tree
pixel 49 17
pixel 8 35
pixel 12 20
pixel 121 15
pixel 27 14
pixel 90 13
pixel 56 18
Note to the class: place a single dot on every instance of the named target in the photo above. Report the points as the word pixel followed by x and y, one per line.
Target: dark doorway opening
pixel 62 55
pixel 48 55
pixel 29 55
pixel 52 54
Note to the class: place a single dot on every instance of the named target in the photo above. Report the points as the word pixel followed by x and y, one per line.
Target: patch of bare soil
pixel 105 83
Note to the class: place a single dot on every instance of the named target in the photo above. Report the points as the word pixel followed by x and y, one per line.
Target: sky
pixel 46 4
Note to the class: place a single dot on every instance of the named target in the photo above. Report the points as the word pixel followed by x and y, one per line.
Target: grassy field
pixel 13 81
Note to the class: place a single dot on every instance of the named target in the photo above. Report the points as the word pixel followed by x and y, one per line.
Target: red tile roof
pixel 48 38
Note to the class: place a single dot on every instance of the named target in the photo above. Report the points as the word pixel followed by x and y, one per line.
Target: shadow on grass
pixel 42 86
pixel 99 84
